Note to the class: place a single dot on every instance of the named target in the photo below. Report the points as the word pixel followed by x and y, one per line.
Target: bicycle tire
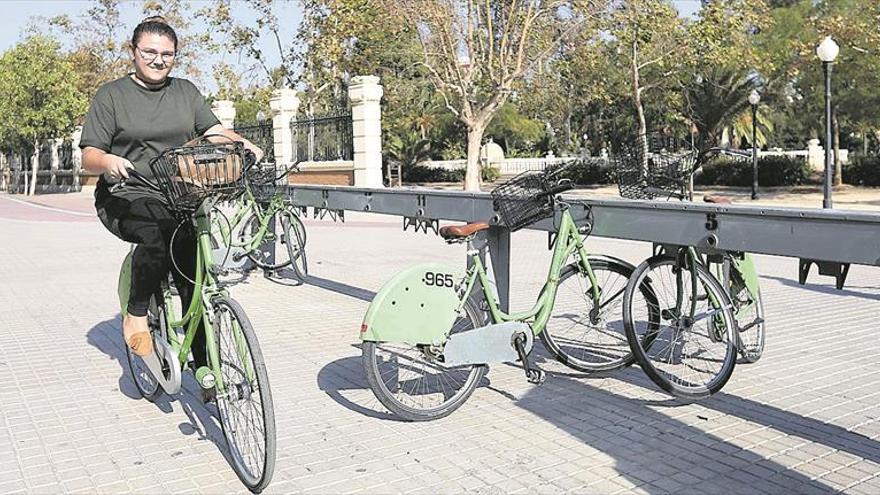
pixel 260 255
pixel 146 384
pixel 752 348
pixel 720 328
pixel 295 235
pixel 255 470
pixel 471 374
pixel 597 349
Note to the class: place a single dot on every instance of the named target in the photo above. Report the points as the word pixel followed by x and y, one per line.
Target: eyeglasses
pixel 150 55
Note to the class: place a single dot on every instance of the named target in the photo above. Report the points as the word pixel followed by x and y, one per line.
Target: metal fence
pixel 262 135
pixel 323 139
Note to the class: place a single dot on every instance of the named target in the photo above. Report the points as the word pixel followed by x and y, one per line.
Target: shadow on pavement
pixel 663 454
pixel 828 289
pixel 341 288
pixel 106 336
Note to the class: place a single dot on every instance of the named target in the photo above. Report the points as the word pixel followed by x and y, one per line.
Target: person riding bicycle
pixel 130 121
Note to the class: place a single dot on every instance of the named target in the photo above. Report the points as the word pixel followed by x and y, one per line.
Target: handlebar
pixel 560 187
pixel 249 157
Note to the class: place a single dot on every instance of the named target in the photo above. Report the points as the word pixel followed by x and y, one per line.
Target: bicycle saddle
pixel 718 199
pixel 461 231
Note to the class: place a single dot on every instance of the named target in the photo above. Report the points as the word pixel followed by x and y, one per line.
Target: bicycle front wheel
pixel 690 354
pixel 587 334
pixel 411 380
pixel 750 318
pixel 247 415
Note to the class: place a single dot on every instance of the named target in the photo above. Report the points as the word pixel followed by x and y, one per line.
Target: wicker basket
pixel 190 174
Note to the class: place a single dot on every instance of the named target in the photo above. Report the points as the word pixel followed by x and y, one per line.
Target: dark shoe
pixel 209 395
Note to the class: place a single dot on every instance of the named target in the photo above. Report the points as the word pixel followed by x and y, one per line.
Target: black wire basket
pixel 523 200
pixel 643 174
pixel 265 179
pixel 190 174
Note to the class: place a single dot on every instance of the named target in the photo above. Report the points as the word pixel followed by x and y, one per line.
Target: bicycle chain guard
pixel 486 345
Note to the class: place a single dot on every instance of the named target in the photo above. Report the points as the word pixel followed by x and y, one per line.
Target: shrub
pixel 862 171
pixel 590 171
pixel 421 173
pixel 772 171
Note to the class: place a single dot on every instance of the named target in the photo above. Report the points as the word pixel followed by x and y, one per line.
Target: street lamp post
pixel 754 98
pixel 827 52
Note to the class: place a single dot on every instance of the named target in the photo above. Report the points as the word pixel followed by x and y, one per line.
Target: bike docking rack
pixel 832 239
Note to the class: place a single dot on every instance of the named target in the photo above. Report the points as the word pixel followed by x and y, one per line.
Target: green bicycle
pixel 192 179
pixel 429 334
pixel 263 227
pixel 704 323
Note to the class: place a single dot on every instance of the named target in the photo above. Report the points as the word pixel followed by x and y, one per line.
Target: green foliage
pixel 715 99
pixel 862 170
pixel 421 173
pixel 772 171
pixel 41 98
pixel 514 131
pixel 589 172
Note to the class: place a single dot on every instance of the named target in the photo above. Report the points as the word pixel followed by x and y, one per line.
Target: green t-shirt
pixel 136 123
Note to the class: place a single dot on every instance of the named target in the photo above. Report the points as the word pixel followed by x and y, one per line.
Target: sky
pixel 15 15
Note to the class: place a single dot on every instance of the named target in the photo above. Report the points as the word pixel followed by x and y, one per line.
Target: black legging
pixel 147 222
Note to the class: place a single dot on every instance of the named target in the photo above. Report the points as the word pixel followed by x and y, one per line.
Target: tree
pixel 475 52
pixel 98 44
pixel 41 98
pixel 651 42
pixel 715 100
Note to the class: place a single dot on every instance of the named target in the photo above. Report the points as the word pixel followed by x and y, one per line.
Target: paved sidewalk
pixel 804 419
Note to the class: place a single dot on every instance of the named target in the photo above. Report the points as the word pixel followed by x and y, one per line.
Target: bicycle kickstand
pixel 533 374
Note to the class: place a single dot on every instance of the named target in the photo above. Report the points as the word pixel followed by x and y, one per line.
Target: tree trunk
pixel 473 172
pixel 838 167
pixel 35 165
pixel 640 111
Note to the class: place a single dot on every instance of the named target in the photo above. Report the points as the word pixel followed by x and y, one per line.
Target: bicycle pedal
pixel 758 321
pixel 536 376
pixel 533 374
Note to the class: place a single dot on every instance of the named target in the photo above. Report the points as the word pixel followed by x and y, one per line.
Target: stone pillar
pixel 284 104
pixel 225 112
pixel 815 155
pixel 365 94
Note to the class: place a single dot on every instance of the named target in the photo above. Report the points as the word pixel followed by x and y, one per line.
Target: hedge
pixel 421 173
pixel 772 171
pixel 862 171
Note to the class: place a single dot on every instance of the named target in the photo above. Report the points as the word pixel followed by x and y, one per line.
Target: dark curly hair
pixel 154 24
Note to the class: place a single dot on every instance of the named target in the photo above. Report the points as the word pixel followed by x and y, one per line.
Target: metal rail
pixel 813 234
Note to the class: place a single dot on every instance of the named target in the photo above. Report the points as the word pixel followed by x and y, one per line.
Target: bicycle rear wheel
pixel 691 357
pixel 272 253
pixel 247 414
pixel 584 334
pixel 143 378
pixel 411 380
pixel 295 242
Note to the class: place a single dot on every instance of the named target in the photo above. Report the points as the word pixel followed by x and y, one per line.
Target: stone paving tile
pixel 800 420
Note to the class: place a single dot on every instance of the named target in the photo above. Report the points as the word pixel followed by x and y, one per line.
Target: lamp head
pixel 754 97
pixel 827 50
pixel 261 117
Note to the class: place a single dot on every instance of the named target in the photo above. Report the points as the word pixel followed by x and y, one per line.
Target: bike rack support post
pixel 829 268
pixel 499 251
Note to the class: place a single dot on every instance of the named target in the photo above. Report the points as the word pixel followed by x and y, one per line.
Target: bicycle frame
pixel 568 241
pixel 244 206
pixel 199 310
